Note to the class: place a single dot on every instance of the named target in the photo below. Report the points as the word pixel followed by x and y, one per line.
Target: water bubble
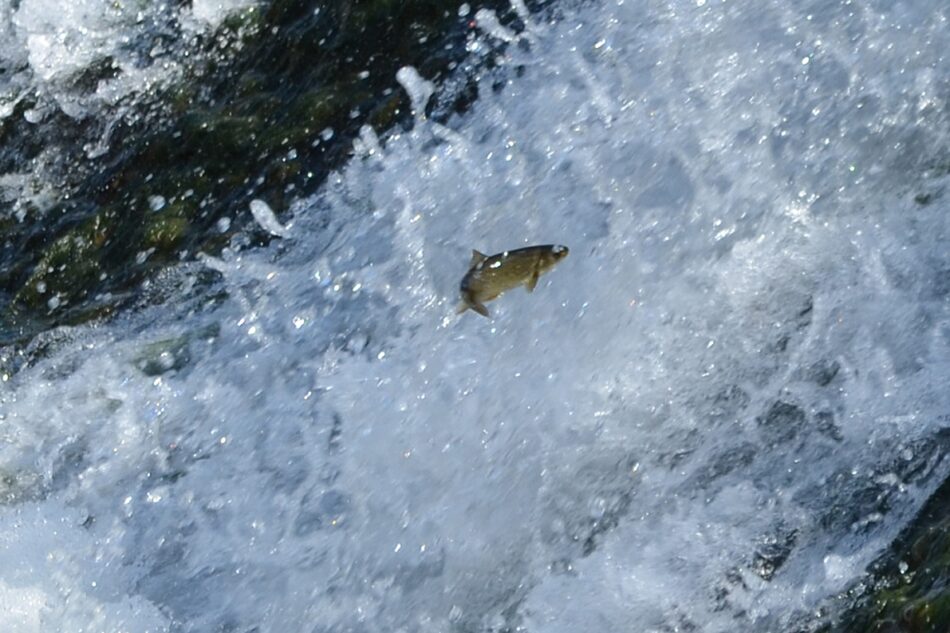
pixel 266 219
pixel 156 203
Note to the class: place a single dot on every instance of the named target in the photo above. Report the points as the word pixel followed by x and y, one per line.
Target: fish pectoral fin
pixel 477 258
pixel 481 309
pixel 478 307
pixel 532 281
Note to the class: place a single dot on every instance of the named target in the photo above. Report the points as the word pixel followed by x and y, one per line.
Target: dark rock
pixel 782 422
pixel 825 424
pixel 321 509
pixel 772 552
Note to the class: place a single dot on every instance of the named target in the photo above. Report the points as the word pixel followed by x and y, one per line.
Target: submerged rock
pixel 171 354
pixel 911 583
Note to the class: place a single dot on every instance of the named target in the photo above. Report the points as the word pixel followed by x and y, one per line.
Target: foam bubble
pixel 264 216
pixel 50 44
pixel 214 12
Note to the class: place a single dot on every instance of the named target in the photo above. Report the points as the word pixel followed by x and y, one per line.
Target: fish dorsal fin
pixel 477 258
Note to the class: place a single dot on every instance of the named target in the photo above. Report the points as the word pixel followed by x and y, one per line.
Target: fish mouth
pixel 560 251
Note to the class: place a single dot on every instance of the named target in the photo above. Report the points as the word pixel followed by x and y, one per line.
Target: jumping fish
pixel 488 277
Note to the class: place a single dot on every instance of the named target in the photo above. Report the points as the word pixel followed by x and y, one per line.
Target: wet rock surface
pixel 268 108
pixel 910 591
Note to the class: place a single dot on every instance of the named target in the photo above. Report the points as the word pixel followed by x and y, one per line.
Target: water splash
pixel 725 403
pixel 418 89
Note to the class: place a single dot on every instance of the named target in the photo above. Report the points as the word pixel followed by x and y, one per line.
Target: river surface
pixel 712 416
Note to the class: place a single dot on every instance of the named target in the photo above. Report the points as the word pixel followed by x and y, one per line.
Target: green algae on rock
pixel 67 266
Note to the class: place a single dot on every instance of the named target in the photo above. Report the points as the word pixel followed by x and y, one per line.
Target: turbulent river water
pixel 712 416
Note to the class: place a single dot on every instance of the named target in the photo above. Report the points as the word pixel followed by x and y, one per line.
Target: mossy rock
pixel 899 614
pixel 242 123
pixel 239 23
pixel 165 231
pixel 172 354
pixel 68 266
pixel 163 356
pixel 182 97
pixel 912 581
pixel 319 108
pixel 218 135
pixel 925 615
pixel 386 113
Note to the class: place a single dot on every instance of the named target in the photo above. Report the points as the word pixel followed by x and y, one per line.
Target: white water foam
pixel 711 416
pixel 265 218
pixel 45 45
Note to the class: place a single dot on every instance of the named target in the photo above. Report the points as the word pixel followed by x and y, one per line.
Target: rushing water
pixel 711 416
